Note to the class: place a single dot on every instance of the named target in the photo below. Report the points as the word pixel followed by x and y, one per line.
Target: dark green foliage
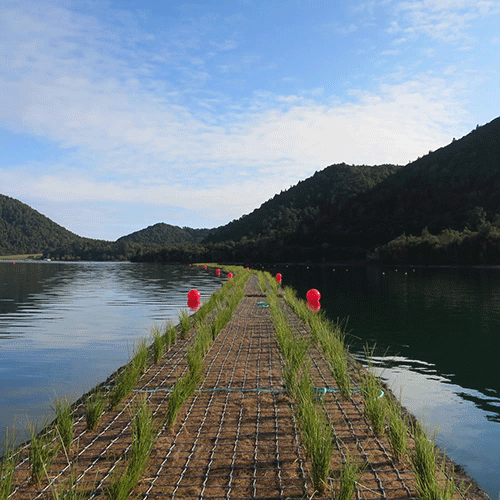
pixel 165 234
pixel 24 230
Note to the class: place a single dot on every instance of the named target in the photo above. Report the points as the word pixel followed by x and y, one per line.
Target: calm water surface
pixel 65 327
pixel 437 337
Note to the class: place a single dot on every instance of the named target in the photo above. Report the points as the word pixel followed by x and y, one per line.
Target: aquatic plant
pixel 185 323
pixel 397 432
pixel 158 345
pixel 349 476
pixel 41 454
pixel 94 408
pixel 64 422
pixel 140 357
pixel 315 430
pixel 375 403
pixel 124 383
pixel 170 336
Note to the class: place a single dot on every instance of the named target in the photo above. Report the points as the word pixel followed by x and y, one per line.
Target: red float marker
pixel 313 297
pixel 278 278
pixel 194 294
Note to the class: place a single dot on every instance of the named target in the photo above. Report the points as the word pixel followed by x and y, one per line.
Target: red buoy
pixel 313 295
pixel 194 294
pixel 278 278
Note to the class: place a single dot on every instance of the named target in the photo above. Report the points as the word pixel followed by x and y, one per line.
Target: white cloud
pixel 131 136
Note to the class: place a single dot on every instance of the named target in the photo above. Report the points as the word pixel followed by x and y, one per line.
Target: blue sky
pixel 118 115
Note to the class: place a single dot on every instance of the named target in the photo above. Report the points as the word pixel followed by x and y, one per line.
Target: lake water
pixel 437 337
pixel 65 327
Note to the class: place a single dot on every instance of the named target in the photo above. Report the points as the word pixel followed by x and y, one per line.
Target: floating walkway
pixel 236 437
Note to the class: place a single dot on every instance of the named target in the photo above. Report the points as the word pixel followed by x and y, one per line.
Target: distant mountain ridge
pixel 165 234
pixel 342 212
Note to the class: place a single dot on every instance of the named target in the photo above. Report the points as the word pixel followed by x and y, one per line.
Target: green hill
pixel 165 234
pixel 24 230
pixel 299 209
pixel 444 189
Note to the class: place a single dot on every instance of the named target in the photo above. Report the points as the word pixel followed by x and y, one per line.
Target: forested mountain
pixel 298 209
pixel 24 230
pixel 165 234
pixel 444 189
pixel 449 201
pixel 345 212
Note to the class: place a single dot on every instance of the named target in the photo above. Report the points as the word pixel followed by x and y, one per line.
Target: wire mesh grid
pixel 237 438
pixel 355 439
pixel 95 453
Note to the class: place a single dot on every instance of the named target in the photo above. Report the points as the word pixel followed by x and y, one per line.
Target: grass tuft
pixel 64 422
pixel 170 336
pixel 94 408
pixel 397 433
pixel 158 345
pixel 124 383
pixel 41 455
pixel 424 463
pixel 185 324
pixel 349 476
pixel 375 403
pixel 140 358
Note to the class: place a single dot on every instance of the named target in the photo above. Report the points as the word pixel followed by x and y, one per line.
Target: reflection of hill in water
pixel 31 285
pixel 448 318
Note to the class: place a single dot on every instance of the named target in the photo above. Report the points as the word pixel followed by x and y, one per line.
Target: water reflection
pixel 64 327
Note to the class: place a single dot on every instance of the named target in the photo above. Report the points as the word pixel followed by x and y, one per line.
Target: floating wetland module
pixel 247 399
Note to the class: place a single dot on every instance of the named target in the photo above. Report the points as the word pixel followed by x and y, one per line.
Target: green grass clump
pixel 316 433
pixel 64 422
pixel 140 357
pixel 143 438
pixel 124 383
pixel 375 403
pixel 94 408
pixel 349 476
pixel 170 336
pixel 158 345
pixel 7 467
pixel 397 432
pixel 181 391
pixel 41 455
pixel 424 464
pixel 185 324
